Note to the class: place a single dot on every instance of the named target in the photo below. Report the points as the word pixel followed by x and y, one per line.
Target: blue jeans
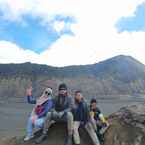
pixel 30 125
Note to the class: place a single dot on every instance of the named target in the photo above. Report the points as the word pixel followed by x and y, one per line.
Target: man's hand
pixel 29 91
pixel 105 124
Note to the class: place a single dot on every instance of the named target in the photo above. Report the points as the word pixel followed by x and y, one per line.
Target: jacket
pixel 81 111
pixel 64 103
pixel 42 109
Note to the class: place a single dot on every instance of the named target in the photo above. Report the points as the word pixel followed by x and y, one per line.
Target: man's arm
pixel 102 118
pixel 71 104
pixel 31 100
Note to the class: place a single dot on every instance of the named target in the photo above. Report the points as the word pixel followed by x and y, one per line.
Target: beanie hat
pixel 62 87
pixel 93 101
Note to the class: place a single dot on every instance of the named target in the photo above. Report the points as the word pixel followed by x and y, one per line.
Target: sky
pixel 71 32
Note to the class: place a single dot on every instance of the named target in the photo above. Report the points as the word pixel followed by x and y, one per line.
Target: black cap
pixel 62 87
pixel 93 100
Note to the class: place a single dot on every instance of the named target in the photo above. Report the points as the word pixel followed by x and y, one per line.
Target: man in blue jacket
pixel 62 112
pixel 81 118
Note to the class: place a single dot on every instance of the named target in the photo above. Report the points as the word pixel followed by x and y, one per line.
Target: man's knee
pixel 89 126
pixel 75 128
pixel 39 122
pixel 48 115
pixel 69 116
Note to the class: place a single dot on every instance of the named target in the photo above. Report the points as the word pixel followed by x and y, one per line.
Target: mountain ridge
pixel 119 75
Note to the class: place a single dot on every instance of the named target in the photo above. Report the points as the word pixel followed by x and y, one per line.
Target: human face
pixel 94 105
pixel 78 97
pixel 62 92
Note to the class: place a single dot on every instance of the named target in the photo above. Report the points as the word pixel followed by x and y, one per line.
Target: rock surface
pixel 56 136
pixel 127 127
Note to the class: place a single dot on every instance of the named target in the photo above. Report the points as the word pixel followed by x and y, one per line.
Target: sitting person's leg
pixel 39 123
pixel 70 123
pixel 29 129
pixel 68 117
pixel 92 133
pixel 47 123
pixel 76 136
pixel 93 122
pixel 99 133
pixel 97 128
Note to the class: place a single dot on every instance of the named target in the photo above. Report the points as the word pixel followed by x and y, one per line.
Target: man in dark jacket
pixel 62 112
pixel 81 118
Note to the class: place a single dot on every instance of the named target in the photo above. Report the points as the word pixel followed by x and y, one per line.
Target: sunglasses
pixel 47 93
pixel 62 89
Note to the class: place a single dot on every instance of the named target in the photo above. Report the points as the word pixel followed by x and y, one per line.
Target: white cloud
pixel 10 52
pixel 95 38
pixel 59 26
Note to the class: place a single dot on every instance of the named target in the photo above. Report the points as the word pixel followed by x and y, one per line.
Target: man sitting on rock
pixel 97 119
pixel 81 118
pixel 62 112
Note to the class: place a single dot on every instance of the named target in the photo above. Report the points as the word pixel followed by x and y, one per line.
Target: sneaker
pixel 27 138
pixel 41 138
pixel 68 140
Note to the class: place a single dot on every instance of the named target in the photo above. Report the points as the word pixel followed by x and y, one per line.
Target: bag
pixel 39 109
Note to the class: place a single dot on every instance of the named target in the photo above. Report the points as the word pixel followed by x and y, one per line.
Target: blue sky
pixel 133 23
pixel 32 33
pixel 71 32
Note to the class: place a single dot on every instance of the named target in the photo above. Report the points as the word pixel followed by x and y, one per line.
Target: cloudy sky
pixel 71 32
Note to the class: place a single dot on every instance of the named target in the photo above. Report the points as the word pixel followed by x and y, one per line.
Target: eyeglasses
pixel 63 89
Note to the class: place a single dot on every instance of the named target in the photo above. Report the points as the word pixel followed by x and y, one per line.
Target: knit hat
pixel 93 100
pixel 62 87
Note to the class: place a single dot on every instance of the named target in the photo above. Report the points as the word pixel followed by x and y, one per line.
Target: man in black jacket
pixel 62 112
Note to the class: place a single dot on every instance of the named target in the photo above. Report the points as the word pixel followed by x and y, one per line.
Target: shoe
pixel 41 138
pixel 68 140
pixel 27 138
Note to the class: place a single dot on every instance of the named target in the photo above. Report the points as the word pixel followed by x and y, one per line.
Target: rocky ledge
pixel 127 127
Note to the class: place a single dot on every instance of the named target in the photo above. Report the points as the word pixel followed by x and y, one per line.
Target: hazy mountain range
pixel 120 75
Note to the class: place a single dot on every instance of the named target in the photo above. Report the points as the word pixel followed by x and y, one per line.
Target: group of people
pixel 73 110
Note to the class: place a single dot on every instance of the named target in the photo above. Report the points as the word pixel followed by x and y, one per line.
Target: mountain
pixel 120 75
